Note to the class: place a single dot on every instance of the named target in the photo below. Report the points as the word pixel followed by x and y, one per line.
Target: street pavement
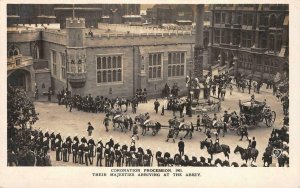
pixel 58 118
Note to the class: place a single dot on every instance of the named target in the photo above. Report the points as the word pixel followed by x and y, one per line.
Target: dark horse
pixel 246 154
pixel 212 150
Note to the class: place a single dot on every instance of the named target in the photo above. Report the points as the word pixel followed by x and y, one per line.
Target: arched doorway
pixel 20 78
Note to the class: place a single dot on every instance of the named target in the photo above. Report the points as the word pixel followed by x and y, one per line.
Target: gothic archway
pixel 20 78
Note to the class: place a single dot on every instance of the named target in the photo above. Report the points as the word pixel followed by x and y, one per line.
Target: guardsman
pixel 99 151
pixel 107 156
pixel 86 154
pixel 81 152
pixel 69 146
pixel 75 151
pixel 119 156
pixel 57 148
pixel 65 151
pixel 91 145
pixel 52 138
pixel 158 157
pixel 149 153
pixel 112 157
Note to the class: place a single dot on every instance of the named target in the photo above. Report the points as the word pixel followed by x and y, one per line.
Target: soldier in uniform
pixel 91 145
pixel 86 154
pixel 80 152
pixel 158 157
pixel 99 151
pixel 57 148
pixel 52 138
pixel 119 156
pixel 150 155
pixel 75 151
pixel 65 151
pixel 107 156
pixel 112 157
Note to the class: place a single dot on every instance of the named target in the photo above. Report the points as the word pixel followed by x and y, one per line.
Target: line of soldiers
pixel 84 150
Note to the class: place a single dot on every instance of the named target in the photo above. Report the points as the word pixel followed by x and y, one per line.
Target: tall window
pixel 247 39
pixel 220 18
pixel 155 66
pixel 13 51
pixel 54 63
pixel 272 43
pixel 109 69
pixel 217 18
pixel 176 64
pixel 247 19
pixel 63 65
pixel 263 19
pixel 217 36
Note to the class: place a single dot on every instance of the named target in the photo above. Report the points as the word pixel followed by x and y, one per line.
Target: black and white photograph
pixel 151 86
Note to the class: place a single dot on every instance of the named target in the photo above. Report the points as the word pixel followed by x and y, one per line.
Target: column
pixel 198 55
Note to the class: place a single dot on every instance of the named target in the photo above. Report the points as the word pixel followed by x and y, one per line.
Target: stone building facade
pixel 105 64
pixel 250 39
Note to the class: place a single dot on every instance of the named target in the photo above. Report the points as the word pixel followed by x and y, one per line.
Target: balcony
pixel 77 80
pixel 19 61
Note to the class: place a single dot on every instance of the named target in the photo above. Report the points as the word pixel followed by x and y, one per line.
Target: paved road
pixel 55 117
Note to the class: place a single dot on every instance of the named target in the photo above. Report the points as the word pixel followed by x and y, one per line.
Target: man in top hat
pixel 181 147
pixel 90 129
pixel 156 106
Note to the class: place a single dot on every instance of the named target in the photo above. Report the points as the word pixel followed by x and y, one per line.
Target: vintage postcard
pixel 139 92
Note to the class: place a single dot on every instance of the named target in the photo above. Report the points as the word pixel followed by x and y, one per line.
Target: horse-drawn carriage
pixel 252 112
pixel 146 124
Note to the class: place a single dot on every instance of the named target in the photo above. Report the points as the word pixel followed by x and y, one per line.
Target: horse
pixel 118 119
pixel 122 102
pixel 148 124
pixel 246 154
pixel 212 150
